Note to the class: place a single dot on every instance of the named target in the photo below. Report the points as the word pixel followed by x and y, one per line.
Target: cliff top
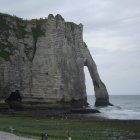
pixel 4 17
pixel 22 28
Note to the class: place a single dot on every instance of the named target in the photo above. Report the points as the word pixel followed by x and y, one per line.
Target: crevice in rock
pixel 37 32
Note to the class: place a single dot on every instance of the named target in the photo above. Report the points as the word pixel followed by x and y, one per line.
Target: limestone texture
pixel 44 61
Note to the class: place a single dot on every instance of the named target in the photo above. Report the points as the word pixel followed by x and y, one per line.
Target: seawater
pixel 126 107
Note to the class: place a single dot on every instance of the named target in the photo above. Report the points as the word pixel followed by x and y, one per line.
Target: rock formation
pixel 44 61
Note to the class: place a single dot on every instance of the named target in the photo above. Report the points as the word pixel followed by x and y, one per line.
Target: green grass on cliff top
pixel 59 129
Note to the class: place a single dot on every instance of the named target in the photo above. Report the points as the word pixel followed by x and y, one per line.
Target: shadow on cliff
pixel 14 100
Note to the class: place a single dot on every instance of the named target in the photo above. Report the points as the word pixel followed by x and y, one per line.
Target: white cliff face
pixel 46 65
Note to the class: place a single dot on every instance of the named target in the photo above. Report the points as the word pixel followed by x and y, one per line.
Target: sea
pixel 126 107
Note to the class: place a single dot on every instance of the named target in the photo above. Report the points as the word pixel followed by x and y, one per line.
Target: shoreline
pixel 78 127
pixel 57 114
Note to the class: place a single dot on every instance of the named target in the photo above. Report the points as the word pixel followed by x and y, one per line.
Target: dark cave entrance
pixel 89 87
pixel 14 100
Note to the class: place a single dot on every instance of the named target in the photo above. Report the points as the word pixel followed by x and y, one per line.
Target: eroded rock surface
pixel 44 60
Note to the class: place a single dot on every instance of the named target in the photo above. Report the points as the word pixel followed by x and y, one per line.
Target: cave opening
pixel 14 100
pixel 89 87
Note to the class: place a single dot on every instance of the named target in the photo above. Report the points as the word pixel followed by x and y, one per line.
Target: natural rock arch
pixel 46 62
pixel 101 94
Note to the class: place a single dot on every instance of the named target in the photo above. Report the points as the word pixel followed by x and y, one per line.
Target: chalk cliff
pixel 44 60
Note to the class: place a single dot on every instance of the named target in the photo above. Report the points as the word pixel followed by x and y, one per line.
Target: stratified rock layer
pixel 44 60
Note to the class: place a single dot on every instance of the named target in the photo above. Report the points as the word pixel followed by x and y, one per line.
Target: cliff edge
pixel 43 61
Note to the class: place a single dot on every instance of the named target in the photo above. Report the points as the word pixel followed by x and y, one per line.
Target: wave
pixel 125 108
pixel 115 112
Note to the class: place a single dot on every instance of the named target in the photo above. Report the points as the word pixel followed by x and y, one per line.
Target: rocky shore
pixel 60 128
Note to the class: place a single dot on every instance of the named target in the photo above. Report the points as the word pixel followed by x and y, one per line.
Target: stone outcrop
pixel 44 61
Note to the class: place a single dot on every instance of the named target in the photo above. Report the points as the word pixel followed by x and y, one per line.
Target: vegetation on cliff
pixel 6 50
pixel 13 24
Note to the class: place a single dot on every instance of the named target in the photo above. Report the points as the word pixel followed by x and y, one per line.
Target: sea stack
pixel 43 60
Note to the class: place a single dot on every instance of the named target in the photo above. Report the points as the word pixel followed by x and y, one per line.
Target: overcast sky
pixel 111 31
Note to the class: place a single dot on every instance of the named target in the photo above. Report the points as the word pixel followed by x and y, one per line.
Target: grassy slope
pixel 78 129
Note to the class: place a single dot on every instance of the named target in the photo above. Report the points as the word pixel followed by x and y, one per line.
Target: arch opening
pixel 89 87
